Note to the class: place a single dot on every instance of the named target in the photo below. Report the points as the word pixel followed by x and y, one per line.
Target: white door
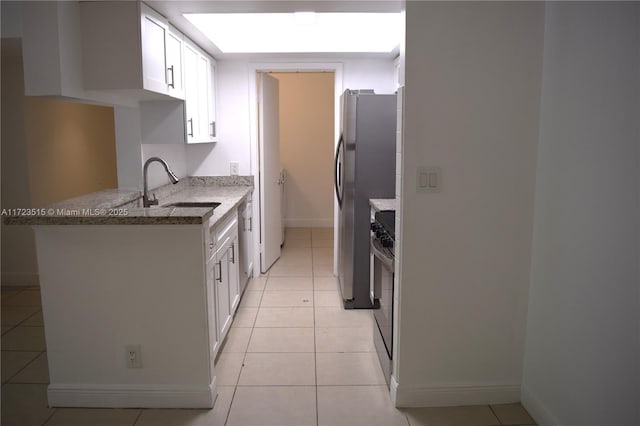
pixel 270 218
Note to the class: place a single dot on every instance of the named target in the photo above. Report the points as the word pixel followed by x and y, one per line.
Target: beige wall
pixel 71 149
pixel 51 150
pixel 306 146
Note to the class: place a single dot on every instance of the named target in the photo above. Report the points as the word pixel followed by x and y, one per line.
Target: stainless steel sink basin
pixel 193 204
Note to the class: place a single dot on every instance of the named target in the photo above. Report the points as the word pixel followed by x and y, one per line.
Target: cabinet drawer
pixel 225 228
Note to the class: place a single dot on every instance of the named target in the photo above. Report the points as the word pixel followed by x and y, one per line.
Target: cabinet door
pixel 222 292
pixel 154 68
pixel 199 91
pixel 203 98
pixel 174 42
pixel 212 100
pixel 191 91
pixel 214 338
pixel 245 241
pixel 234 279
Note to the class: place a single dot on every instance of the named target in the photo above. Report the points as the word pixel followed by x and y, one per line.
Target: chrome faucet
pixel 146 201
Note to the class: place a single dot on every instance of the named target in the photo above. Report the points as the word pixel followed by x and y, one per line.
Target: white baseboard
pixel 537 409
pixel 131 396
pixel 308 223
pixel 17 279
pixel 453 395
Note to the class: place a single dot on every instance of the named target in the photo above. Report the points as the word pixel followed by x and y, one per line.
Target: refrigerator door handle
pixel 337 170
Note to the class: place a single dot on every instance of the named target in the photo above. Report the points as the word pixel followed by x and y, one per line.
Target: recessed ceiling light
pixel 300 31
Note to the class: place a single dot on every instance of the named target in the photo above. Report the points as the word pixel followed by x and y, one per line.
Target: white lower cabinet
pixel 212 310
pixel 223 270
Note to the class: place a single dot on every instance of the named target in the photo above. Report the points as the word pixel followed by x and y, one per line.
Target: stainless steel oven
pixel 381 291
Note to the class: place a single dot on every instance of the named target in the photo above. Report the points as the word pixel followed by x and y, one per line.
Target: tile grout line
pixel 24 368
pixel 18 350
pixel 55 410
pixel 138 416
pixel 315 346
pixel 4 303
pixel 494 414
pixel 244 357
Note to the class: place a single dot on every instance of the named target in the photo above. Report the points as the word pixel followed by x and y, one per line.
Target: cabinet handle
pixel 213 128
pixel 211 245
pixel 219 278
pixel 173 82
pixel 233 253
pixel 251 224
pixel 190 121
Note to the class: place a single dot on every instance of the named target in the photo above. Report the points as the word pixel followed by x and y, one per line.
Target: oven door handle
pixel 386 260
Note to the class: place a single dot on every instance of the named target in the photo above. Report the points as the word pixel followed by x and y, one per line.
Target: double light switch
pixel 429 179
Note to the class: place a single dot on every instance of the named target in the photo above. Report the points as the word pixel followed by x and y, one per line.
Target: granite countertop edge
pixel 121 207
pixel 383 204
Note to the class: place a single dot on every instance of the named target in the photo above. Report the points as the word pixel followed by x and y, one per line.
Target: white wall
pixel 472 76
pixel 582 350
pixel 233 129
pixel 160 269
pixel 174 154
pixel 233 107
pixel 369 74
pixel 132 154
pixel 128 149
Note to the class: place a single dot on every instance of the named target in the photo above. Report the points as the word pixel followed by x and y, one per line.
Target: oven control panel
pixel 382 235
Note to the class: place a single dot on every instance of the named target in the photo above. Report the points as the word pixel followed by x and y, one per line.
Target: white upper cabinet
pixel 127 46
pixel 191 91
pixel 199 84
pixel 153 33
pixel 174 42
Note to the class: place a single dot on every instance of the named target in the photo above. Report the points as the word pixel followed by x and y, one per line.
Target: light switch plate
pixel 429 179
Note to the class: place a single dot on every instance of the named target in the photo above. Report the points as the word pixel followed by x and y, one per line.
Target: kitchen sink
pixel 193 204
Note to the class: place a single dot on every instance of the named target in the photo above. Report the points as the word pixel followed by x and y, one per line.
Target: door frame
pixel 254 69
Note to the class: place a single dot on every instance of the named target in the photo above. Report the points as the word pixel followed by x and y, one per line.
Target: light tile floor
pixel 293 356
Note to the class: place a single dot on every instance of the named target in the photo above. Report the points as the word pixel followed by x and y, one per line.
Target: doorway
pixel 308 164
pixel 306 147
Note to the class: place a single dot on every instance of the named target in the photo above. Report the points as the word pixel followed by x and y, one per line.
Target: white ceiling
pixel 173 10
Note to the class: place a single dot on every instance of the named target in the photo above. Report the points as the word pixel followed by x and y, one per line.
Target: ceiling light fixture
pixel 300 32
pixel 304 18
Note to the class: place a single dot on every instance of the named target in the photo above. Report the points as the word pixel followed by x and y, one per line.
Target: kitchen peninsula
pixel 136 301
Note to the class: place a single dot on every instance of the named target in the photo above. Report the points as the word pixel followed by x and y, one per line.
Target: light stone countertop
pixel 102 199
pixel 117 207
pixel 381 204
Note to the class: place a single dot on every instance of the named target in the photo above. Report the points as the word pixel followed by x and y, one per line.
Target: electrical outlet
pixel 235 168
pixel 133 356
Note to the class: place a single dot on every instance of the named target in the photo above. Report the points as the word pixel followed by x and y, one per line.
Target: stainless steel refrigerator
pixel 365 162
